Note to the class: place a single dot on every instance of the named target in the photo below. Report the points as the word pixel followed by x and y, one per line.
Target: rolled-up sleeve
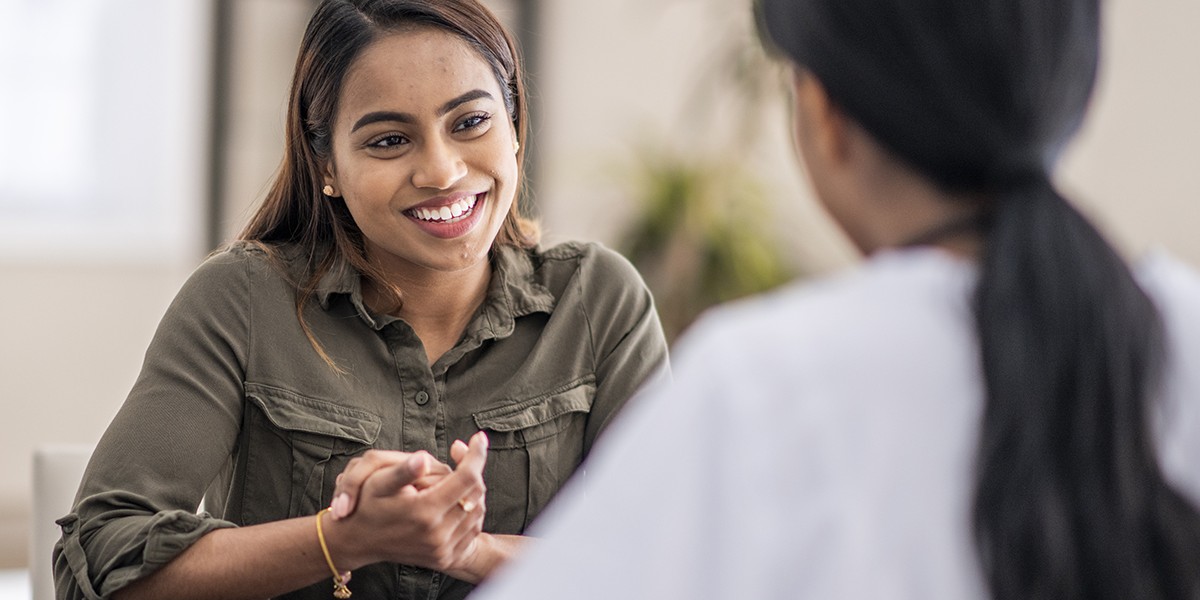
pixel 124 547
pixel 136 506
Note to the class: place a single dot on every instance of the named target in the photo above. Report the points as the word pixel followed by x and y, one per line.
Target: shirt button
pixel 422 398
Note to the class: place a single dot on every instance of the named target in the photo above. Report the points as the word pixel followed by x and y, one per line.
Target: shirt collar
pixel 513 292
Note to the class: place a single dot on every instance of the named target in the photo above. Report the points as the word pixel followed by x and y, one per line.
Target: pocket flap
pixel 574 397
pixel 293 412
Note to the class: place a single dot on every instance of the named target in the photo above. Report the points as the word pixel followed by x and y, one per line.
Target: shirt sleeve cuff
pixel 122 550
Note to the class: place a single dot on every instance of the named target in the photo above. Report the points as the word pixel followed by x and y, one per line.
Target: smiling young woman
pixel 385 301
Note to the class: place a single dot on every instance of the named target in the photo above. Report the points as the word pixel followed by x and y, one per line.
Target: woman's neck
pixel 905 209
pixel 437 305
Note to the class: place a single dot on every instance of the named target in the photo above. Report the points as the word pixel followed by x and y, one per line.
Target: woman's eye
pixel 472 122
pixel 388 141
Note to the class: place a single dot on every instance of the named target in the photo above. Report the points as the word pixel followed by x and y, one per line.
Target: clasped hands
pixel 411 508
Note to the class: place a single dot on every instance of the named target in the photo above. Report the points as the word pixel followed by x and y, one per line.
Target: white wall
pixel 74 337
pixel 1136 164
pixel 81 290
pixel 266 35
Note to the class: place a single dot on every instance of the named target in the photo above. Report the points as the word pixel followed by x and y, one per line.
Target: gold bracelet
pixel 340 591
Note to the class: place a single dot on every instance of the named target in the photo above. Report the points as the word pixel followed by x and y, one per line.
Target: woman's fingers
pixel 465 484
pixel 388 480
pixel 476 452
pixel 430 526
pixel 465 488
pixel 457 450
pixel 466 535
pixel 403 468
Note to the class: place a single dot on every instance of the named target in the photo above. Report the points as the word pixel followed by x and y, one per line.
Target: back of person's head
pixel 980 97
pixel 974 95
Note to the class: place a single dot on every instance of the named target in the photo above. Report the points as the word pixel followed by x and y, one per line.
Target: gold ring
pixel 466 505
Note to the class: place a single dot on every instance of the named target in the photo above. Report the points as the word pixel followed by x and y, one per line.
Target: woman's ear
pixel 821 127
pixel 329 179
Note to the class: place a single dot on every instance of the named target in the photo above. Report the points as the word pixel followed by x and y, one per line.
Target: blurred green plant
pixel 703 230
pixel 701 237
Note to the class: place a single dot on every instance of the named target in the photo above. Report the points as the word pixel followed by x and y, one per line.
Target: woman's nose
pixel 439 166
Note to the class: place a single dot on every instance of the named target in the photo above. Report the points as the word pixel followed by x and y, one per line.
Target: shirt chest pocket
pixel 534 446
pixel 295 447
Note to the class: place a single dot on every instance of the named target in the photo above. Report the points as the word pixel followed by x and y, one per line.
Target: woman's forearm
pixel 266 560
pixel 258 561
pixel 270 559
pixel 394 522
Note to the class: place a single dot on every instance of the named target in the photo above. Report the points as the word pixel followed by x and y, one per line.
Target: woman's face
pixel 423 152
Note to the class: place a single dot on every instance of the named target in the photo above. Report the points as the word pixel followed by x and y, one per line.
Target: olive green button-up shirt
pixel 234 405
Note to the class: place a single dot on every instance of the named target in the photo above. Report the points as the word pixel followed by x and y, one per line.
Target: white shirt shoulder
pixel 818 443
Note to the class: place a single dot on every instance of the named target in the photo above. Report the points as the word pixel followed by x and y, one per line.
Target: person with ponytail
pixel 311 381
pixel 992 405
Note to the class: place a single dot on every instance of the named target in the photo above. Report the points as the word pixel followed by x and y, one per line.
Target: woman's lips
pixel 448 213
pixel 449 220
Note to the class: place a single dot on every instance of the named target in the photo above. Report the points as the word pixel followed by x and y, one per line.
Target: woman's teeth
pixel 446 213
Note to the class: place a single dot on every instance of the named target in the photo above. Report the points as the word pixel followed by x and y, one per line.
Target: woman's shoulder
pixel 577 254
pixel 242 255
pixel 857 335
pixel 1170 281
pixel 896 293
pixel 1174 286
pixel 237 254
pixel 243 264
pixel 591 265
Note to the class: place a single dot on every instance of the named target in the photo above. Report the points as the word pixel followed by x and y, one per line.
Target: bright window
pixel 103 135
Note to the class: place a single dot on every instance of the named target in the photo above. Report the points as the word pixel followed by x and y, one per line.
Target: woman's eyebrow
pixel 463 99
pixel 403 117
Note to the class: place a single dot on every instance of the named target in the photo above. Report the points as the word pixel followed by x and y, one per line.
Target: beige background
pixel 74 331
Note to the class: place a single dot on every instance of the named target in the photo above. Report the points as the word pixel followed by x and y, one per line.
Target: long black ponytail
pixel 980 96
pixel 1070 500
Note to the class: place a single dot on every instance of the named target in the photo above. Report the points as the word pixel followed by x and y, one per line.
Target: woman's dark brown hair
pixel 295 210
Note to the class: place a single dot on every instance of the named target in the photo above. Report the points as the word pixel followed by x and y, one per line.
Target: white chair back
pixel 57 471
